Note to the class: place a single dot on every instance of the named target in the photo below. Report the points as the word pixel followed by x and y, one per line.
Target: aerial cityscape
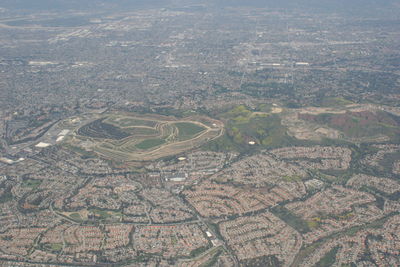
pixel 200 133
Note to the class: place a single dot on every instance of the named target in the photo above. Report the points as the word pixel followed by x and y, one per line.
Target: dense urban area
pixel 200 133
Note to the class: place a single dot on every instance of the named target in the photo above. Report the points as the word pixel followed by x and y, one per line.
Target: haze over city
pixel 199 133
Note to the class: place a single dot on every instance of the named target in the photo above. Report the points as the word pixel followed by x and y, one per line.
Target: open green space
pixel 292 220
pixel 244 125
pixel 264 261
pixel 334 102
pixel 32 183
pixel 328 259
pixel 188 130
pixel 264 129
pixel 198 251
pixel 75 216
pixel 56 247
pixel 359 124
pixel 6 196
pixel 106 214
pixel 388 160
pixel 150 143
pixel 213 257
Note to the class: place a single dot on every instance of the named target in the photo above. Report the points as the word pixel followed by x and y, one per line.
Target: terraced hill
pixel 130 137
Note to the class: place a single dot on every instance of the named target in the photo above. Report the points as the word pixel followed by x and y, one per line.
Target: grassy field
pixel 56 247
pixel 32 183
pixel 108 215
pixel 150 143
pixel 75 216
pixel 329 258
pixel 188 130
pixel 334 102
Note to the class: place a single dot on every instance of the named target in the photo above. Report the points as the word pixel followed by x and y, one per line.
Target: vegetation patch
pixel 213 258
pixel 334 102
pixel 359 124
pixel 56 247
pixel 6 196
pixel 198 251
pixel 328 259
pixel 32 183
pixel 103 215
pixel 264 261
pixel 292 220
pixel 244 126
pixel 150 143
pixel 188 130
pixel 75 216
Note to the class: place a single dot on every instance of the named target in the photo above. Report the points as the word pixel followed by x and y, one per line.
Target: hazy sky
pixel 82 4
